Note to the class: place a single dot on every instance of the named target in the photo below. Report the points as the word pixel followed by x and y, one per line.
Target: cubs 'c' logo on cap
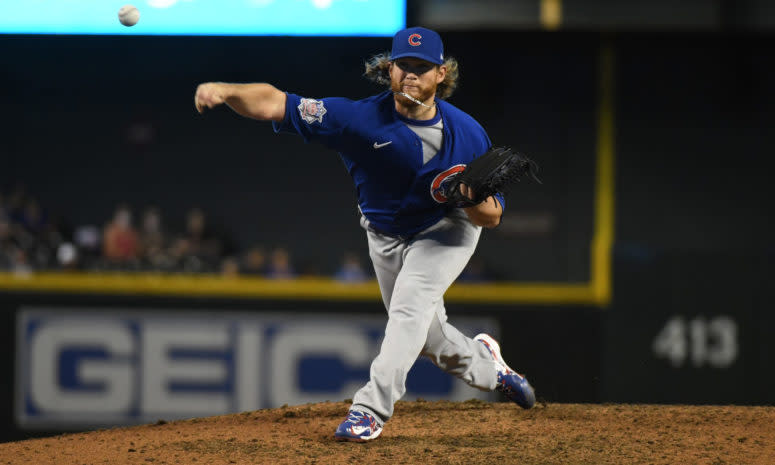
pixel 414 40
pixel 442 180
pixel 311 110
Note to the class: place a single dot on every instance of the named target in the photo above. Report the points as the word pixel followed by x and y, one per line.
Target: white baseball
pixel 128 15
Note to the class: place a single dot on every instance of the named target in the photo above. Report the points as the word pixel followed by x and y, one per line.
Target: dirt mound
pixel 431 432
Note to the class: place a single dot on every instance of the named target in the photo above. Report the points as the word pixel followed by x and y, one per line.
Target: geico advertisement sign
pixel 113 367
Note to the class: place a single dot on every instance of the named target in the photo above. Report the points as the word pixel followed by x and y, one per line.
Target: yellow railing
pixel 254 287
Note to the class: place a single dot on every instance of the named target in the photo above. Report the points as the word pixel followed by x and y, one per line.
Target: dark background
pixel 694 112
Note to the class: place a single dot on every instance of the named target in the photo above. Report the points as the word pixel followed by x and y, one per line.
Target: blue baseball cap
pixel 420 43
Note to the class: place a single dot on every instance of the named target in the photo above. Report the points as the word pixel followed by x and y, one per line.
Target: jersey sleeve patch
pixel 311 110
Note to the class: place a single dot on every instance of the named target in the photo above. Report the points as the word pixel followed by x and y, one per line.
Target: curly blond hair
pixel 378 70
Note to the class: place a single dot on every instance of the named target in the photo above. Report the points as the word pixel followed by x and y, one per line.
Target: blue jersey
pixel 396 192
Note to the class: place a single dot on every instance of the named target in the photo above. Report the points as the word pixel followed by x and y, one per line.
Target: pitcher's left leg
pixel 432 261
pixel 409 317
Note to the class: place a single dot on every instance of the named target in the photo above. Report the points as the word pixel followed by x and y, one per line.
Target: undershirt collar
pixel 417 122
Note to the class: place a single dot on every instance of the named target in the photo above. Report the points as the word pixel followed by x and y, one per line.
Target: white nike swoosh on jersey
pixel 379 146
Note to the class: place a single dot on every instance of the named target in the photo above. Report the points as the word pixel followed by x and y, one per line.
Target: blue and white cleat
pixel 358 427
pixel 513 385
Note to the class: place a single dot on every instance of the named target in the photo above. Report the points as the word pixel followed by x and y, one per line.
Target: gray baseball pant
pixel 413 275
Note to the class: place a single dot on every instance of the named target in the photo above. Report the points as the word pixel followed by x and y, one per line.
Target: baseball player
pixel 401 147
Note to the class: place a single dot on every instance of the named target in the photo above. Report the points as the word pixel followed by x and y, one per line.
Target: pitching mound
pixel 431 432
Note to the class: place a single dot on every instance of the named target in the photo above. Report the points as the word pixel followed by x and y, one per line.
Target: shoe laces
pixel 360 418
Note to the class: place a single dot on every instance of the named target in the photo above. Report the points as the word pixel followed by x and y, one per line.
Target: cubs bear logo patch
pixel 442 180
pixel 311 110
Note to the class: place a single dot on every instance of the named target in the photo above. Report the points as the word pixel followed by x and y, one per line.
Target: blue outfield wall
pixel 108 366
pixel 81 362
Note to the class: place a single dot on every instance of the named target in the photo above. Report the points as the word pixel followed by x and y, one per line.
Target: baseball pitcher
pixel 407 150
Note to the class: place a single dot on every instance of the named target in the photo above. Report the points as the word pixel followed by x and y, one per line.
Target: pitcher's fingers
pixel 198 99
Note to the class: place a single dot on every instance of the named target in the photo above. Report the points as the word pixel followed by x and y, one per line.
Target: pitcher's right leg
pixel 459 355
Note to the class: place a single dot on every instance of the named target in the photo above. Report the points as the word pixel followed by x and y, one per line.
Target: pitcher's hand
pixel 209 95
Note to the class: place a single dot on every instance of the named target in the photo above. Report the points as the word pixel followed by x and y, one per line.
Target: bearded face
pixel 414 77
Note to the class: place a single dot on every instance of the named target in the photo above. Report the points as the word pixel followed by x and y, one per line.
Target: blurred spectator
pixel 16 212
pixel 67 256
pixel 351 270
pixel 197 249
pixel 87 240
pixel 153 241
pixel 254 261
pixel 15 202
pixel 151 232
pixel 7 243
pixel 41 237
pixel 120 244
pixel 20 265
pixel 280 265
pixel 32 218
pixel 230 267
pixel 30 231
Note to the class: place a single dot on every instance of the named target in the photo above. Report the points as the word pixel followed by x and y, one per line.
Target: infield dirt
pixel 431 432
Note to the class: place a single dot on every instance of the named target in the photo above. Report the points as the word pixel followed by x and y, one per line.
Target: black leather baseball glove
pixel 489 174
